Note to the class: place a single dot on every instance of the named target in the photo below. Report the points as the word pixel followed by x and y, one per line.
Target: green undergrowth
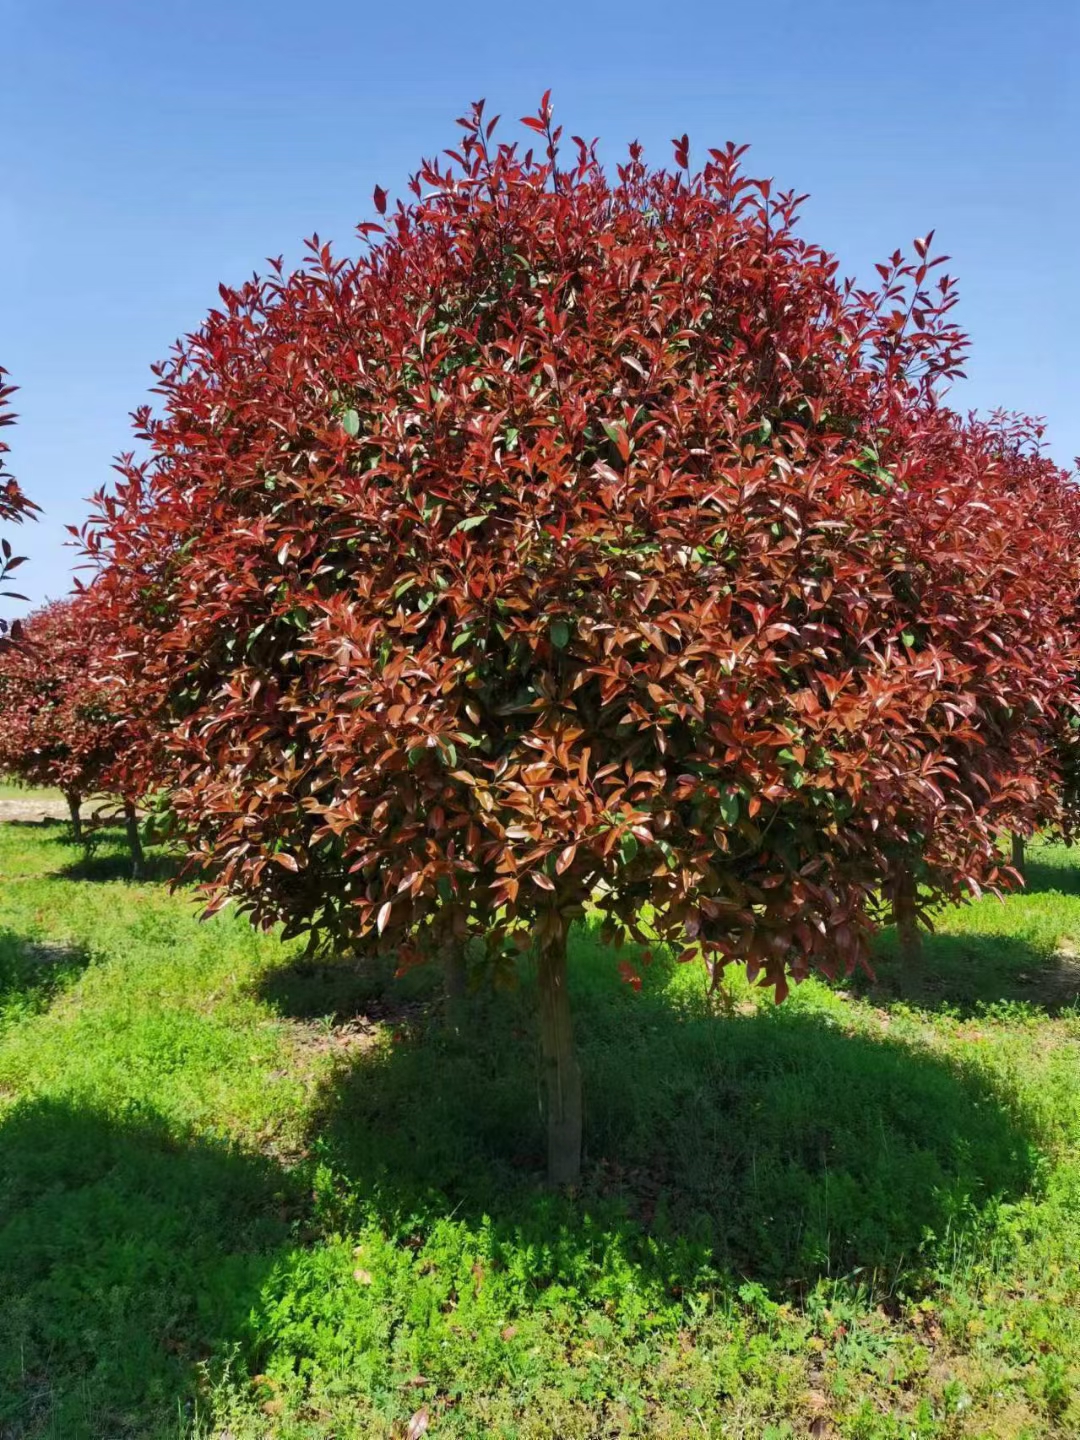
pixel 247 1195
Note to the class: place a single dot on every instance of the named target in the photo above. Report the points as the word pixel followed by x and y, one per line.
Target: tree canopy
pixel 586 540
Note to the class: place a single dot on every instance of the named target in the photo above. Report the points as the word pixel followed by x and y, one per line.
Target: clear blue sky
pixel 150 150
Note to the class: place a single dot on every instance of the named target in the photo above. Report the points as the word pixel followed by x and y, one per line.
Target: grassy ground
pixel 242 1196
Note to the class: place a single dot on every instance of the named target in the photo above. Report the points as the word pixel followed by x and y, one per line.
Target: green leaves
pixel 350 422
pixel 560 634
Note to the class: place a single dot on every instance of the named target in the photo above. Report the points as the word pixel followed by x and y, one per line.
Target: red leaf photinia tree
pixel 587 540
pixel 62 723
pixel 992 539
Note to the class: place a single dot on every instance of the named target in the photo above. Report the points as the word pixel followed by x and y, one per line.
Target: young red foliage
pixel 587 537
pixel 14 505
pixel 580 529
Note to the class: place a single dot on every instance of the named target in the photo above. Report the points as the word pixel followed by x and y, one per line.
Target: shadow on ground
pixel 117 866
pixel 774 1147
pixel 969 972
pixel 1015 950
pixel 104 856
pixel 127 1256
pixel 1043 876
pixel 34 972
pixel 340 991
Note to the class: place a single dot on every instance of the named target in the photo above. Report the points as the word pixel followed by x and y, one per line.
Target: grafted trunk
pixel 1018 853
pixel 908 933
pixel 134 840
pixel 74 800
pixel 562 1074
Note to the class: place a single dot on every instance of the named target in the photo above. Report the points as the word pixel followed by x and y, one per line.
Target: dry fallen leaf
pixel 362 1277
pixel 418 1424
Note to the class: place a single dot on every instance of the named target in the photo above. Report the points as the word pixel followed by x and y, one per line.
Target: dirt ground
pixel 34 809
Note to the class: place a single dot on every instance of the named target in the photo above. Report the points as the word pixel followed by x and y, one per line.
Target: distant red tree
pixel 992 540
pixel 63 723
pixel 14 505
pixel 587 540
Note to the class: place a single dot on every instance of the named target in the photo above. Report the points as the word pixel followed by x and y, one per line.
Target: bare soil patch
pixel 32 811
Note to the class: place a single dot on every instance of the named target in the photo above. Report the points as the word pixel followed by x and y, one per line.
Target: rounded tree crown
pixel 587 539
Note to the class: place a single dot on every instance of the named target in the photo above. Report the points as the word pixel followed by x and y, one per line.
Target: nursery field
pixel 243 1195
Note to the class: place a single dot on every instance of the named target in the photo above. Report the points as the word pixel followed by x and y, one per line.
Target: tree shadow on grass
pixel 966 973
pixel 1052 868
pixel 772 1147
pixel 1015 950
pixel 104 856
pixel 158 867
pixel 127 1256
pixel 339 991
pixel 34 972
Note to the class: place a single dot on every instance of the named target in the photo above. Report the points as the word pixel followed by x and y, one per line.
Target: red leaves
pixel 629 975
pixel 63 715
pixel 623 551
pixel 14 505
pixel 379 196
pixel 540 122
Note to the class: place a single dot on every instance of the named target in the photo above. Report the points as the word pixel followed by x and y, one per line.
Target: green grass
pixel 229 1208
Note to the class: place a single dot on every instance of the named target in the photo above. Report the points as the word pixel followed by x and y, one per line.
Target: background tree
pixel 582 542
pixel 995 561
pixel 64 724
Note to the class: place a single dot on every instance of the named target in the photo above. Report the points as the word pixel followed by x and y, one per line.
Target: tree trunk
pixel 562 1075
pixel 134 840
pixel 454 976
pixel 1018 854
pixel 74 800
pixel 908 933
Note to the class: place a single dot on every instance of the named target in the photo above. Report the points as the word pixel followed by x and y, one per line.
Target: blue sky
pixel 151 150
